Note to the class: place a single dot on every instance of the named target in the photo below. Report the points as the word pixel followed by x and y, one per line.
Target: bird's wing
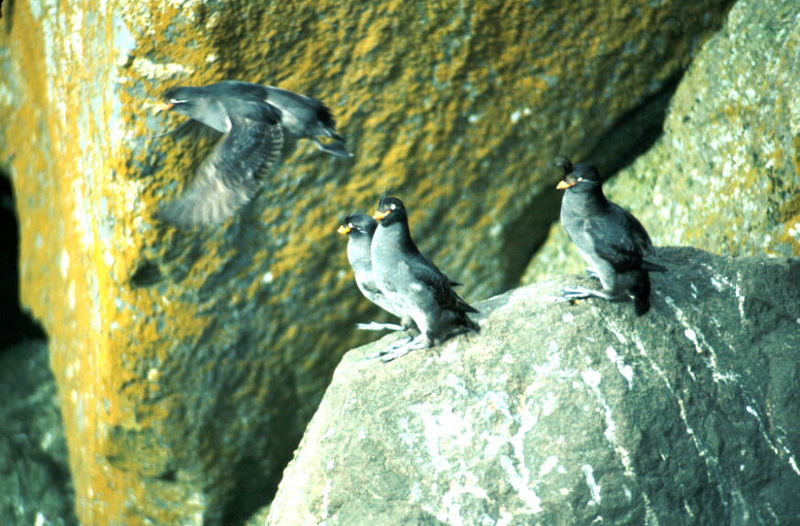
pixel 615 243
pixel 196 130
pixel 229 177
pixel 369 286
pixel 426 272
pixel 639 234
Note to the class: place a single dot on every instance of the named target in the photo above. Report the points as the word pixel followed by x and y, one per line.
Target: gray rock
pixel 34 475
pixel 193 360
pixel 560 414
pixel 725 174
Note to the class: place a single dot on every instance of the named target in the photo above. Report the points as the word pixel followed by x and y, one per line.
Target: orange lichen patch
pixel 179 352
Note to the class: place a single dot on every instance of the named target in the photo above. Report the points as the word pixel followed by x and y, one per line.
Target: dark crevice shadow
pixel 7 14
pixel 16 324
pixel 631 136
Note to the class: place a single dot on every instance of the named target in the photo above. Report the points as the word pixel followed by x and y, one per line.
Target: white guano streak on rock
pixel 792 461
pixel 625 370
pixel 593 379
pixel 594 487
pixel 720 282
pixel 732 380
pixel 712 463
pixel 701 346
pixel 519 475
pixel 651 519
pixel 326 500
pixel 438 427
pixel 452 503
pixel 526 494
pixel 729 379
pixel 548 465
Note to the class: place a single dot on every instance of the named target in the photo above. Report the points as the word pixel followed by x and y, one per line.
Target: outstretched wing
pixel 230 176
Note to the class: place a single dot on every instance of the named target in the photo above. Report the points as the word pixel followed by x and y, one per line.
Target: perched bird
pixel 359 229
pixel 610 239
pixel 259 126
pixel 412 282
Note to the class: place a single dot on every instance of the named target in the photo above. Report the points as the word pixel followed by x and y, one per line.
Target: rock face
pixel 189 362
pixel 34 475
pixel 726 173
pixel 574 414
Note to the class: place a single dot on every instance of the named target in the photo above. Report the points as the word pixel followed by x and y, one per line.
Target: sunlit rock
pixel 573 414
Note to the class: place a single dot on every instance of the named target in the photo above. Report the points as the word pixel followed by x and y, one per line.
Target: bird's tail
pixel 325 117
pixel 641 294
pixel 653 267
pixel 470 324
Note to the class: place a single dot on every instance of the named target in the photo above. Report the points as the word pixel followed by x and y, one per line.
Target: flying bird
pixel 259 126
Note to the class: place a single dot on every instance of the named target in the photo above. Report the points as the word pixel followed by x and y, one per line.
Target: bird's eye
pixel 580 179
pixel 392 206
pixel 350 225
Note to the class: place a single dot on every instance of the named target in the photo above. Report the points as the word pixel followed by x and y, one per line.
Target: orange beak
pixel 164 107
pixel 563 185
pixel 344 229
pixel 378 215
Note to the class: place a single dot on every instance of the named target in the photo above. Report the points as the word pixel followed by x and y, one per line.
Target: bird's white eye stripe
pixel 178 101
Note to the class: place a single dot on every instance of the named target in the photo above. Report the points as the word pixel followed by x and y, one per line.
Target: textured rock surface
pixel 574 414
pixel 190 362
pixel 725 175
pixel 34 476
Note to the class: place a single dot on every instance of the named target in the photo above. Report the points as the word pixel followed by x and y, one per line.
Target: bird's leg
pixel 392 347
pixel 420 342
pixel 579 293
pixel 377 326
pixel 592 273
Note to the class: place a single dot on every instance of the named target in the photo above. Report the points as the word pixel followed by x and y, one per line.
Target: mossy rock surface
pixel 725 176
pixel 189 362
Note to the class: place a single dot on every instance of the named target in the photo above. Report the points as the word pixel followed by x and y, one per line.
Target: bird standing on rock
pixel 412 282
pixel 359 229
pixel 610 239
pixel 260 126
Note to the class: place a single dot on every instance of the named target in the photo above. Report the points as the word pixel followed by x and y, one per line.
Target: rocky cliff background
pixel 189 363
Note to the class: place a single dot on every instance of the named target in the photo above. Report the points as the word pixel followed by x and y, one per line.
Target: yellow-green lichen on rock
pixel 725 176
pixel 188 362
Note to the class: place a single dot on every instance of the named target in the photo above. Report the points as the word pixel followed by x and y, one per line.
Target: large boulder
pixel 573 414
pixel 190 361
pixel 725 175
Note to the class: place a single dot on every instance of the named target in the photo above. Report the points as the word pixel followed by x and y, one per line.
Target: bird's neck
pixel 399 236
pixel 358 248
pixel 591 202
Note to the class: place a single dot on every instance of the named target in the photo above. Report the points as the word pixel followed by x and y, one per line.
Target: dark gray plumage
pixel 359 229
pixel 259 126
pixel 610 239
pixel 412 282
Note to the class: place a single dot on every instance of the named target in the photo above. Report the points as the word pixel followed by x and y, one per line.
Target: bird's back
pixel 302 116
